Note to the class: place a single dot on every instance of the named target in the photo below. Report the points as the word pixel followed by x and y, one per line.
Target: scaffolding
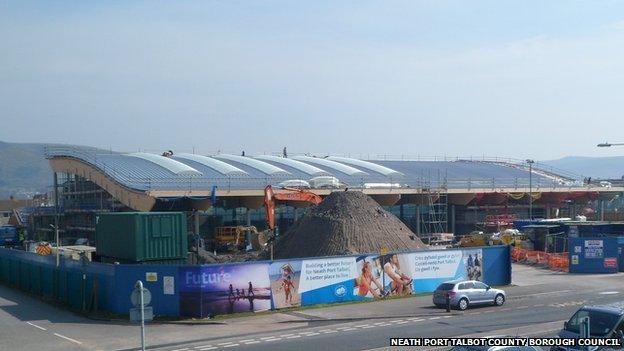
pixel 435 218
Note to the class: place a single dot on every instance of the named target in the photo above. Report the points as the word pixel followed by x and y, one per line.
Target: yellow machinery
pixel 506 237
pixel 237 237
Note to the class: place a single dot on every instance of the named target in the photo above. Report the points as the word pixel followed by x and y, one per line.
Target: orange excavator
pixel 294 195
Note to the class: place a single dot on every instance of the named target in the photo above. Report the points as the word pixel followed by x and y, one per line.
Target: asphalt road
pixel 537 306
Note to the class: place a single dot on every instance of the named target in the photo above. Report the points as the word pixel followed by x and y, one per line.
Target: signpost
pixel 140 298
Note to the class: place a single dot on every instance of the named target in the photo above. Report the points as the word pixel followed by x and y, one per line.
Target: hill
pixel 595 167
pixel 24 170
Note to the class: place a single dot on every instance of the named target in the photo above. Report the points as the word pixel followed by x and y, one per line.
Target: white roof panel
pixel 298 165
pixel 169 164
pixel 367 165
pixel 263 167
pixel 219 166
pixel 331 164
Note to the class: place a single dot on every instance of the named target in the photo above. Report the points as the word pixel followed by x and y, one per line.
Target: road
pixel 537 305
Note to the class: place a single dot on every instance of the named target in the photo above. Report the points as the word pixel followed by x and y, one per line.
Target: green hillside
pixel 24 170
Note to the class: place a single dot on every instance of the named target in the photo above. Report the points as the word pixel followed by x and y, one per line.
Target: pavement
pixel 538 302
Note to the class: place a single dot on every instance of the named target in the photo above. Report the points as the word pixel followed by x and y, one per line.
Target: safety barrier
pixel 554 261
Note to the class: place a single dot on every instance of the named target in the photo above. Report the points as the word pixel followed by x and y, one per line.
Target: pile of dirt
pixel 345 223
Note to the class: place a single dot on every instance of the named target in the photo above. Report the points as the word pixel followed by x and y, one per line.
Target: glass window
pixel 446 286
pixel 461 286
pixel 600 323
pixel 479 285
pixel 468 285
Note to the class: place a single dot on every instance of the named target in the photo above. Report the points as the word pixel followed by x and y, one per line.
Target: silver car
pixel 468 292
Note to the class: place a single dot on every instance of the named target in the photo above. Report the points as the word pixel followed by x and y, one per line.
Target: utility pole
pixel 56 220
pixel 530 163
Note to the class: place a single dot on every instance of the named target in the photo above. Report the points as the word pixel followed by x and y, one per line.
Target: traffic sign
pixel 135 297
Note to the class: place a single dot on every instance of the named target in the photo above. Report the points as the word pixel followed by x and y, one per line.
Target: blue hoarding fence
pixel 201 291
pixel 593 255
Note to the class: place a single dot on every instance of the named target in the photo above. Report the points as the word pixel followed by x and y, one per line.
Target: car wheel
pixel 463 304
pixel 499 300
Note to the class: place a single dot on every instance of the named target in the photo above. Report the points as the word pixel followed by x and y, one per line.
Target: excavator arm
pixel 296 195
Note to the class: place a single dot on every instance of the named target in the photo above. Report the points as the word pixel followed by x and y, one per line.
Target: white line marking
pixel 432 318
pixel 544 293
pixel 230 345
pixel 36 326
pixel 268 337
pixel 286 335
pixel 225 343
pixel 251 342
pixel 330 331
pixel 349 329
pixel 184 349
pixel 521 307
pixel 360 326
pixel 324 330
pixel 380 323
pixel 416 319
pixel 246 340
pixel 293 337
pixel 69 339
pixel 402 322
pixel 368 326
pixel 202 346
pixel 312 334
pixel 208 348
pixel 272 339
pixel 447 317
pixel 609 293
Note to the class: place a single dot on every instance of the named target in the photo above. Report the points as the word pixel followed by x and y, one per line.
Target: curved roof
pixel 366 165
pixel 141 173
pixel 171 165
pixel 298 165
pixel 219 166
pixel 331 164
pixel 263 167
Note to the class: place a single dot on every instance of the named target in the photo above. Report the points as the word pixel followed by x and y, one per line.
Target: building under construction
pixel 428 195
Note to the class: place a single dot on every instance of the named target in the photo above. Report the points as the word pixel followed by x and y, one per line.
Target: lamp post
pixel 530 163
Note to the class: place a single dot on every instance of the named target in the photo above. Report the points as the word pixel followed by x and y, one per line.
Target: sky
pixel 522 79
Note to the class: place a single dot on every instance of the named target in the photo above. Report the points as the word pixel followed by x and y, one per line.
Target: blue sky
pixel 539 79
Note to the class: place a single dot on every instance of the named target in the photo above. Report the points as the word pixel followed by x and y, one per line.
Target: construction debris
pixel 346 223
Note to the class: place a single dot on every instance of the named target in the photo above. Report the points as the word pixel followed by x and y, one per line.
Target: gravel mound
pixel 346 223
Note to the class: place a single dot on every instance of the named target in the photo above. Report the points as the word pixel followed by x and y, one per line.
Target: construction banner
pixel 327 280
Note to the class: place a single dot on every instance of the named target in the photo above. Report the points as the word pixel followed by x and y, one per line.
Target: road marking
pixel 402 322
pixel 609 293
pixel 537 294
pixel 349 329
pixel 184 349
pixel 68 338
pixel 286 335
pixel 330 331
pixel 293 337
pixel 202 346
pixel 252 342
pixel 230 345
pixel 36 326
pixel 540 305
pixel 522 307
pixel 368 326
pixel 312 334
pixel 208 348
pixel 432 318
pixel 225 343
pixel 360 326
pixel 246 340
pixel 273 339
pixel 416 319
pixel 270 337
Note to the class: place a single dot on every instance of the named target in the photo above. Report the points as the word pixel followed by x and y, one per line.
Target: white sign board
pixel 168 285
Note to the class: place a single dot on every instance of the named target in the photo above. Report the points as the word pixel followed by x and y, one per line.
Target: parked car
pixel 467 292
pixel 605 321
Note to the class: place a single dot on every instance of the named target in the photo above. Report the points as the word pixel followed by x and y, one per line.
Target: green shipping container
pixel 142 236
